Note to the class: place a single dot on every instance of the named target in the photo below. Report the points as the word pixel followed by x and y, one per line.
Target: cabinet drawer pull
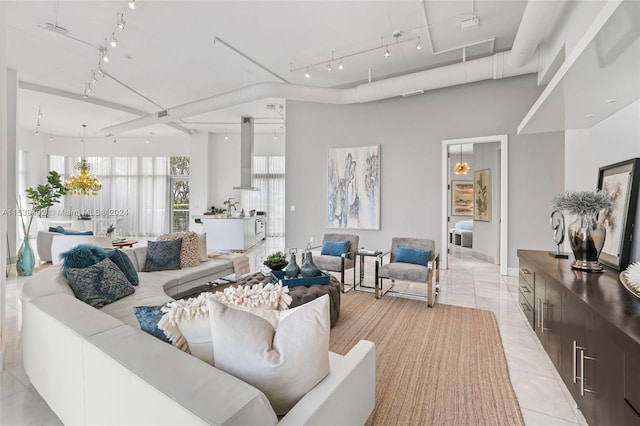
pixel 581 377
pixel 525 271
pixel 525 307
pixel 525 289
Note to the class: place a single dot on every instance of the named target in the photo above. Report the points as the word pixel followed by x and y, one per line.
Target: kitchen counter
pixel 234 233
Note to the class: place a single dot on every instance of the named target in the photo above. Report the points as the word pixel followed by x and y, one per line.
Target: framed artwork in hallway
pixel 461 198
pixel 482 195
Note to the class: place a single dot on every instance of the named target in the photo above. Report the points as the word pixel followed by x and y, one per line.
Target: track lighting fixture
pixel 121 22
pixel 37 131
pixel 93 77
pixel 50 138
pixel 99 70
pixel 104 54
pixel 149 137
pixel 85 96
pixel 114 41
pixel 275 136
pixel 226 135
pixel 132 4
pixel 384 47
pixel 88 88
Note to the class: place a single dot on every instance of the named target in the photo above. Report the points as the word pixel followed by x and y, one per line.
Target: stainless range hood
pixel 246 155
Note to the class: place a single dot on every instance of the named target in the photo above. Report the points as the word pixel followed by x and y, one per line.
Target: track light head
pixel 387 53
pixel 114 41
pixel 340 66
pixel 121 22
pixel 419 45
pixel 132 4
pixel 306 74
pixel 329 67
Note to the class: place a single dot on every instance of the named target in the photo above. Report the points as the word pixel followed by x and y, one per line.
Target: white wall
pixel 3 182
pixel 614 139
pixel 410 131
pixel 486 235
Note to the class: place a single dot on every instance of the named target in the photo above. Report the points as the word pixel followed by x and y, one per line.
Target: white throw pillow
pixel 284 363
pixel 186 322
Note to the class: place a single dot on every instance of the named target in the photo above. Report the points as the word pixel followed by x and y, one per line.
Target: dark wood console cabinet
pixel 590 327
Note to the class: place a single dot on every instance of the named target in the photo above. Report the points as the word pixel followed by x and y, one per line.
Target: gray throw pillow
pixel 100 284
pixel 163 255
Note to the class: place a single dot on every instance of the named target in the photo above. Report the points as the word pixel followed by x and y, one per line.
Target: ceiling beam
pixel 107 104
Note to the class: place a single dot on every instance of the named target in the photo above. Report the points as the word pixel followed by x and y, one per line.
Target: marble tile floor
pixel 543 398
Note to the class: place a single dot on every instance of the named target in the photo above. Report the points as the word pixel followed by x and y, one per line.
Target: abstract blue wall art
pixel 353 186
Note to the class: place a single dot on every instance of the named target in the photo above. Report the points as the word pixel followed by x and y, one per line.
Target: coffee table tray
pixel 279 277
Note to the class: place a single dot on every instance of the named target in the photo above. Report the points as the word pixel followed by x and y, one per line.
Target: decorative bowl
pixel 276 266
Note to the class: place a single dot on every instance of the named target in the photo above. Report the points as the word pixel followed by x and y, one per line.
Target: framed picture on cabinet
pixel 620 181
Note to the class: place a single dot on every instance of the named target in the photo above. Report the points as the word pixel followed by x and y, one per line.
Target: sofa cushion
pixel 202 247
pixel 189 254
pixel 332 263
pixel 404 271
pixel 81 256
pixel 148 317
pixel 123 262
pixel 145 295
pixel 99 284
pixel 162 255
pixel 284 363
pixel 186 322
pixel 335 248
pixel 412 255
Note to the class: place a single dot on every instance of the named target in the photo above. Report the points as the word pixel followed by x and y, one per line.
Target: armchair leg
pixel 377 283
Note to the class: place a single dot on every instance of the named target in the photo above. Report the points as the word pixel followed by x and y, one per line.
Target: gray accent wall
pixel 410 131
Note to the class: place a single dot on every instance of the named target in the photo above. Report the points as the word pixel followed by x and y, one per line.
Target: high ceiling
pixel 166 54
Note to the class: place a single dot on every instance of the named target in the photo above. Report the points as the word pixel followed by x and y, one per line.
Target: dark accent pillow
pixel 148 318
pixel 58 229
pixel 123 262
pixel 100 284
pixel 163 255
pixel 81 256
pixel 412 255
pixel 72 232
pixel 335 248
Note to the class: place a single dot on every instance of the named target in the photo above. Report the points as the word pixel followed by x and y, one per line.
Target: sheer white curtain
pixel 269 176
pixel 134 195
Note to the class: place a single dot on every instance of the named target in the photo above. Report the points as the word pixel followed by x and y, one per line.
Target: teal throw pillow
pixel 335 248
pixel 123 262
pixel 100 284
pixel 81 256
pixel 412 255
pixel 163 255
pixel 148 318
pixel 58 229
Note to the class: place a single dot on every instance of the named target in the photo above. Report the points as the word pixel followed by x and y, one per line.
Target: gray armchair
pixel 339 263
pixel 428 274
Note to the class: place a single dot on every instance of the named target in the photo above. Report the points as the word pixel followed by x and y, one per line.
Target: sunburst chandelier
pixel 461 168
pixel 83 183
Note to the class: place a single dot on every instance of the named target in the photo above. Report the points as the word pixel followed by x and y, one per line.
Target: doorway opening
pixel 500 217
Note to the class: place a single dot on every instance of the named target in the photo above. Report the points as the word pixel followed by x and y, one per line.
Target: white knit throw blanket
pixel 262 296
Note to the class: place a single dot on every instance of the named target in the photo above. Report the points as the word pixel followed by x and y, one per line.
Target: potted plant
pixel 276 261
pixel 40 199
pixel 218 211
pixel 110 230
pixel 231 203
pixel 586 235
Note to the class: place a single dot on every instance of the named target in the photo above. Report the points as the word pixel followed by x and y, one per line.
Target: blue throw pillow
pixel 100 284
pixel 72 232
pixel 163 255
pixel 58 229
pixel 148 317
pixel 335 248
pixel 81 256
pixel 412 255
pixel 123 262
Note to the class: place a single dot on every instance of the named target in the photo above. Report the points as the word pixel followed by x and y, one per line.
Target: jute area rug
pixel 435 366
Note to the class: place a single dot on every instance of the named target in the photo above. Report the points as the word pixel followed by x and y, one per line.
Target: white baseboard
pixel 484 257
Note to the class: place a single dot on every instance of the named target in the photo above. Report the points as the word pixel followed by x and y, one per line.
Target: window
pixel 269 176
pixel 133 196
pixel 179 193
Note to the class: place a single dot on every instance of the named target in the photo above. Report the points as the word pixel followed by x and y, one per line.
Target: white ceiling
pixel 166 52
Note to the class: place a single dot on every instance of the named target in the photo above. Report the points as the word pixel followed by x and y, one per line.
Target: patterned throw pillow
pixel 81 256
pixel 148 317
pixel 100 284
pixel 123 262
pixel 189 254
pixel 163 255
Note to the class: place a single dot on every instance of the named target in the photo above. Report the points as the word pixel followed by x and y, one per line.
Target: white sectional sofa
pixel 97 367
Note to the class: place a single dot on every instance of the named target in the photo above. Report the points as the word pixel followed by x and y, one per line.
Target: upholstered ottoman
pixel 302 294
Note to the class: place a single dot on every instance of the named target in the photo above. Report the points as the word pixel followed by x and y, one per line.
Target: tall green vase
pixel 26 260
